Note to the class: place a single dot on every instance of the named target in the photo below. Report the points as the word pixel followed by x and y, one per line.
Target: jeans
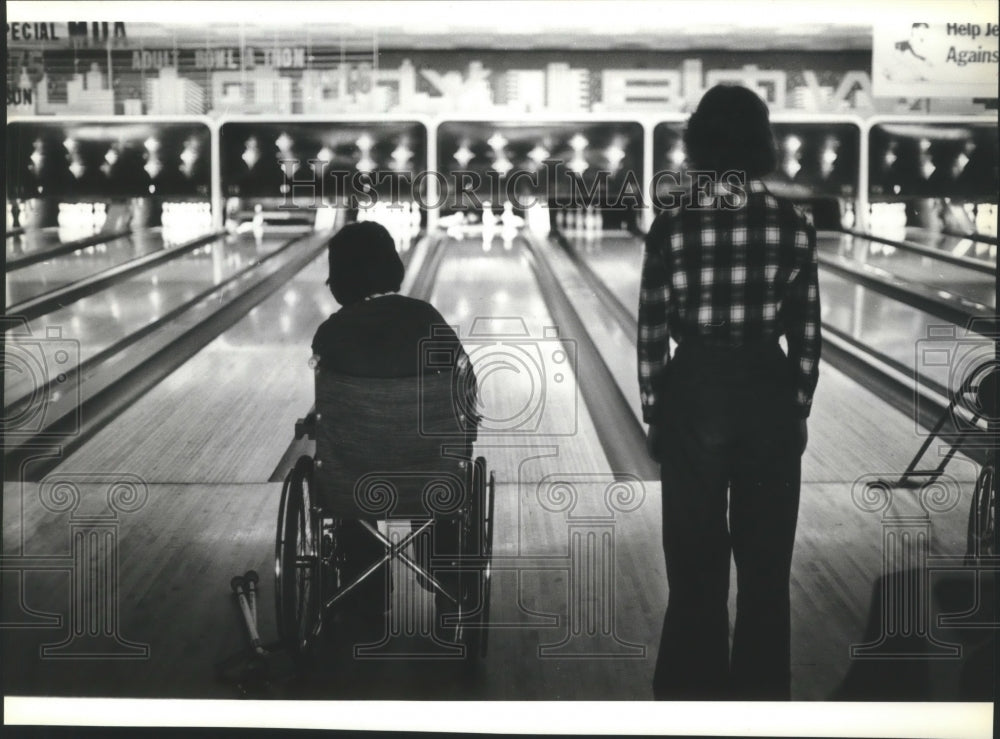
pixel 727 425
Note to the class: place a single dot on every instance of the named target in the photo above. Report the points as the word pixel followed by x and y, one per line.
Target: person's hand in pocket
pixel 802 435
pixel 653 441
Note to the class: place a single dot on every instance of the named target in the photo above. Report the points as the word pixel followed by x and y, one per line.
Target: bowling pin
pixel 258 222
pixel 415 217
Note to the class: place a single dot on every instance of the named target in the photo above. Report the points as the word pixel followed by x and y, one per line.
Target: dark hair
pixel 363 262
pixel 731 130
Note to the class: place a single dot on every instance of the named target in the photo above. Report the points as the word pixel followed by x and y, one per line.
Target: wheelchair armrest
pixel 306 426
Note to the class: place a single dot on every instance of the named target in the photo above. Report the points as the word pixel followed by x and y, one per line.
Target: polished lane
pixel 36 241
pixel 531 402
pixel 59 271
pixel 970 247
pixel 100 321
pixel 974 290
pixel 226 414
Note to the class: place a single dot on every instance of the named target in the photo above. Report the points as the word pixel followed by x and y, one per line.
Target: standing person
pixel 727 413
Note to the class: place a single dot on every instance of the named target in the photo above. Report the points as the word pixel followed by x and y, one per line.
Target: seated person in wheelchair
pixel 378 333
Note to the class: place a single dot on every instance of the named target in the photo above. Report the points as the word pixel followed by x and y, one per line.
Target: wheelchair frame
pixel 307 557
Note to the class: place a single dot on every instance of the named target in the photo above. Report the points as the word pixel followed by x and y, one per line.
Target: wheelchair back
pixel 391 447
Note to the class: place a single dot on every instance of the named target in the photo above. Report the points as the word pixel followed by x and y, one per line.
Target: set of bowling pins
pixel 586 221
pixel 30 212
pixel 183 221
pixel 78 220
pixel 507 225
pixel 986 219
pixel 888 219
pixel 402 220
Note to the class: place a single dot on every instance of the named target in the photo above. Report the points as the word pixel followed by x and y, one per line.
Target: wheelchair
pixel 422 470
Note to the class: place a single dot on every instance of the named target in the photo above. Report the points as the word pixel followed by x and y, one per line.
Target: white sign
pixel 915 59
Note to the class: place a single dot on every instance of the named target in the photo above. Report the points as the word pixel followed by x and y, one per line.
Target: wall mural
pixel 63 69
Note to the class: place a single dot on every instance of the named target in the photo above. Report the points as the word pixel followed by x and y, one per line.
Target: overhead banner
pixel 916 59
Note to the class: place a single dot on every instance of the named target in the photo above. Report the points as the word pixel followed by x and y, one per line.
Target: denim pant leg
pixel 764 503
pixel 693 659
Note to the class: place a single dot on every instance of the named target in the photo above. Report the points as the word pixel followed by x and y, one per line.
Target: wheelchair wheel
pixel 297 562
pixel 477 548
pixel 981 539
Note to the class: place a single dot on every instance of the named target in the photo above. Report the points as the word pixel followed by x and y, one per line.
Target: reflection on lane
pixel 958 246
pixel 254 375
pixel 616 258
pixel 888 327
pixel 52 274
pixel 37 240
pixel 529 397
pixel 976 289
pixel 101 320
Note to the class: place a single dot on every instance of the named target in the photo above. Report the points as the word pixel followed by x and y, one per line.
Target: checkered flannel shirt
pixel 733 276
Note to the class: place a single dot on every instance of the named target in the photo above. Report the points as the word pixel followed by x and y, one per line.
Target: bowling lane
pixel 40 240
pixel 99 321
pixel 958 246
pixel 976 290
pixel 37 279
pixel 224 416
pixel 535 420
pixel 615 257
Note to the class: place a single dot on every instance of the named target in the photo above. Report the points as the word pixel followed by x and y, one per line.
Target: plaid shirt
pixel 732 276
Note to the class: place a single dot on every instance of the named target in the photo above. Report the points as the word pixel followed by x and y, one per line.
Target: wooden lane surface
pixel 492 293
pixel 177 552
pixel 225 415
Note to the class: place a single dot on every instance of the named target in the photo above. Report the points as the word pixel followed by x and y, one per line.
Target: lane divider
pixel 955 310
pixel 12 407
pixel 61 297
pixel 926 251
pixel 65 248
pixel 621 434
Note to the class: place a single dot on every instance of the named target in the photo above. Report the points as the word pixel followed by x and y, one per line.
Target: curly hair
pixel 363 262
pixel 731 130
